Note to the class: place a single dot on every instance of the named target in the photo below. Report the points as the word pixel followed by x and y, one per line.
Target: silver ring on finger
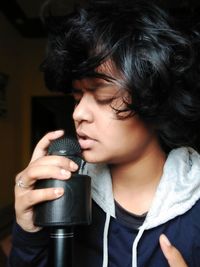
pixel 21 184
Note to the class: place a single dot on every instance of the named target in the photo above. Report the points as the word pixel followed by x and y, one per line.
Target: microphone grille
pixel 67 147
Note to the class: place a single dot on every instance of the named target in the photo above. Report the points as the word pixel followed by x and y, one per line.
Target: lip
pixel 85 141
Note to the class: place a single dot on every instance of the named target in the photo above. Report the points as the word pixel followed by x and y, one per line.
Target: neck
pixel 135 182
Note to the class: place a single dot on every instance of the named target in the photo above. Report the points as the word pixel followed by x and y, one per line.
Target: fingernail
pixel 165 240
pixel 65 173
pixel 73 166
pixel 58 191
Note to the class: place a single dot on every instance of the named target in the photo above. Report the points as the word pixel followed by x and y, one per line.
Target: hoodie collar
pixel 177 192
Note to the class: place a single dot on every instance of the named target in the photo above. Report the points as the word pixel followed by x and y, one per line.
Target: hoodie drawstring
pixel 135 243
pixel 105 241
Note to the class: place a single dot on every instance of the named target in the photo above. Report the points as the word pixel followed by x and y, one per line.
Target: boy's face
pixel 102 136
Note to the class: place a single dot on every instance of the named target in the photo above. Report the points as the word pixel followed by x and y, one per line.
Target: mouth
pixel 85 141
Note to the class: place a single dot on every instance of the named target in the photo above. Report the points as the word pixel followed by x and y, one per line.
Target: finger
pixel 29 177
pixel 56 167
pixel 34 197
pixel 172 254
pixel 59 161
pixel 42 146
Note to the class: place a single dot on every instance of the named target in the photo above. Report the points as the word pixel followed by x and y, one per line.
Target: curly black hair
pixel 159 64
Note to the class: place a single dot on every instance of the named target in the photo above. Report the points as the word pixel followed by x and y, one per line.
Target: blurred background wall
pixel 19 59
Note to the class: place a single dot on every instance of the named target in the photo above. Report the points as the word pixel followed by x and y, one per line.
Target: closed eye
pixel 105 100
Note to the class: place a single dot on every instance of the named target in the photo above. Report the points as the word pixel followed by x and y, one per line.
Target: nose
pixel 83 110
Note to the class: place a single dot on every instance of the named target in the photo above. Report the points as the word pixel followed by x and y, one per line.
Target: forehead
pixel 107 69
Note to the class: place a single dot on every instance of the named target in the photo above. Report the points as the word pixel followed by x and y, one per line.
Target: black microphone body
pixel 73 208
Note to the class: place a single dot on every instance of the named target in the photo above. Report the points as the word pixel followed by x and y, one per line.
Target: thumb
pixel 172 254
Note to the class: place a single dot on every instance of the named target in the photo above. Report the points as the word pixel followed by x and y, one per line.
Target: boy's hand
pixel 172 254
pixel 41 166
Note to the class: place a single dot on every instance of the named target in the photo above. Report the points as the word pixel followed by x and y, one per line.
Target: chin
pixel 91 157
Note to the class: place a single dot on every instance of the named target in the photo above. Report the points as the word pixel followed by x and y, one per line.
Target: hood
pixel 179 187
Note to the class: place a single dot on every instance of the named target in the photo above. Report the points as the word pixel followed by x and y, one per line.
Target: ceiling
pixel 25 14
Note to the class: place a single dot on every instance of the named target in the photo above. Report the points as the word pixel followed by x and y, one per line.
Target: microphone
pixel 73 208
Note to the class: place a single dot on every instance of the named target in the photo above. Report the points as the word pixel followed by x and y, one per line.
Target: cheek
pixel 128 133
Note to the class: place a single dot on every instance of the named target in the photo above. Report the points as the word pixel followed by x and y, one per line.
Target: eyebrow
pixel 93 88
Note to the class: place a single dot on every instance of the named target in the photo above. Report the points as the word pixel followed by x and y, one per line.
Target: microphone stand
pixel 61 247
